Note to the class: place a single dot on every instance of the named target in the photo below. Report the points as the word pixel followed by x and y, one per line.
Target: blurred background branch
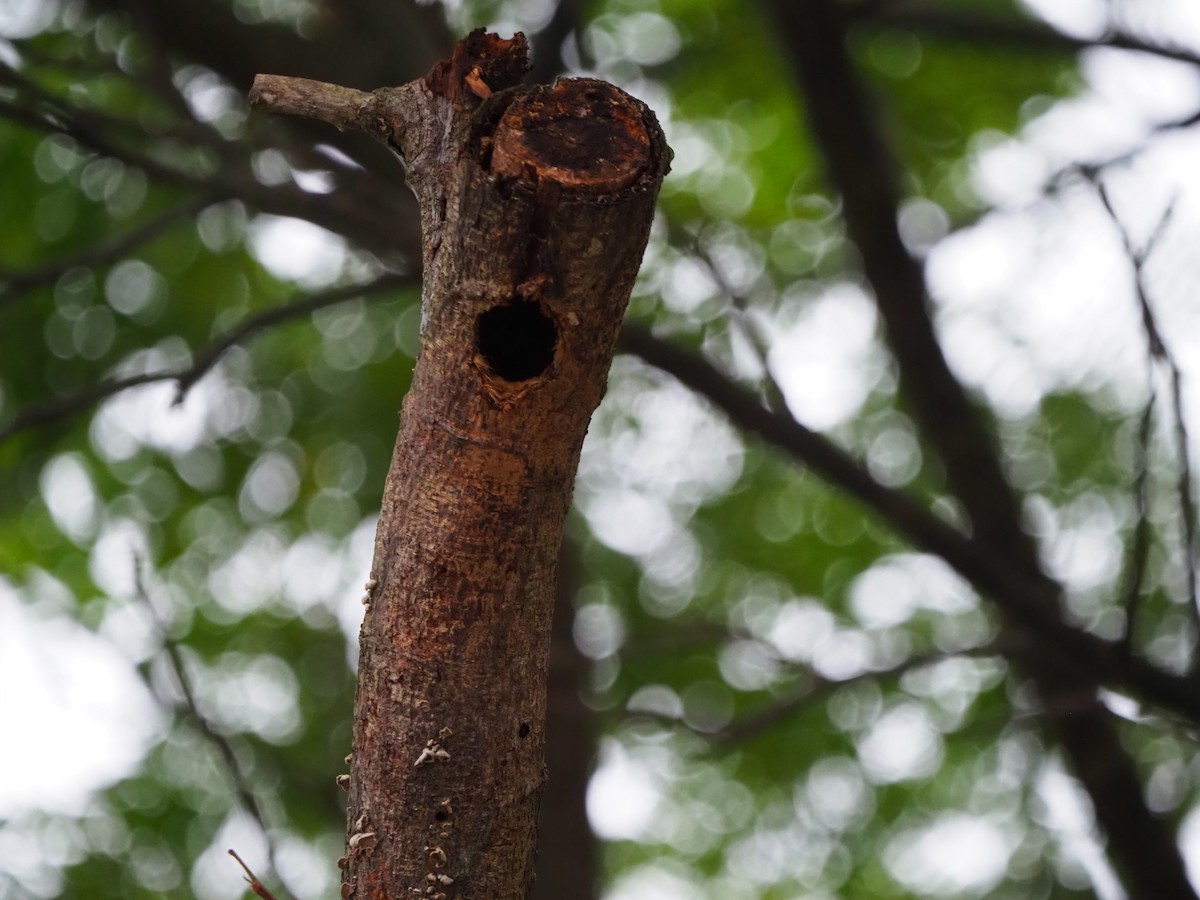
pixel 880 258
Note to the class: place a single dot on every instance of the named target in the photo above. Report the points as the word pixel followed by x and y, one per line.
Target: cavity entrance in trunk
pixel 517 340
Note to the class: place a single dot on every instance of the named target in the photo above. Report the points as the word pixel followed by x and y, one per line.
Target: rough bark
pixel 536 206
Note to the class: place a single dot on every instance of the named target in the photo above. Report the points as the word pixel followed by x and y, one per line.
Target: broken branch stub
pixel 536 206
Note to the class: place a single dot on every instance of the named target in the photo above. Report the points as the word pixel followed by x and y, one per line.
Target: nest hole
pixel 517 340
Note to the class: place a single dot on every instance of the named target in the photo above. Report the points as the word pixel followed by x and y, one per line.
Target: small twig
pixel 44 112
pixel 18 284
pixel 60 408
pixel 765 718
pixel 50 411
pixel 1018 33
pixel 988 572
pixel 1187 507
pixel 739 307
pixel 203 724
pixel 98 123
pixel 80 68
pixel 1160 354
pixel 1139 546
pixel 364 214
pixel 255 884
pixel 331 103
pixel 1091 171
pixel 207 357
pixel 97 132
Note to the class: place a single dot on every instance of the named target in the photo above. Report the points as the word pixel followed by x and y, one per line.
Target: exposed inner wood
pixel 578 133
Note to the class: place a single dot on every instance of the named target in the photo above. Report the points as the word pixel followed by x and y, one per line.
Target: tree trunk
pixel 536 206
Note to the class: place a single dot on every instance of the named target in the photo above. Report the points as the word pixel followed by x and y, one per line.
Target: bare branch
pixel 1020 597
pixel 739 309
pixel 211 34
pixel 817 687
pixel 207 728
pixel 19 284
pixel 1161 355
pixel 43 111
pixel 60 408
pixel 848 131
pixel 251 327
pixel 1077 654
pixel 1139 544
pixel 861 168
pixel 338 106
pixel 56 122
pixel 1010 32
pixel 51 411
pixel 252 879
pixel 367 217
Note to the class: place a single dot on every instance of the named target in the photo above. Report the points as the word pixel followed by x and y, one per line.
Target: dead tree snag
pixel 536 205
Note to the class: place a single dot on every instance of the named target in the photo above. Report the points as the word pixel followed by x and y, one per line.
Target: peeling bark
pixel 536 206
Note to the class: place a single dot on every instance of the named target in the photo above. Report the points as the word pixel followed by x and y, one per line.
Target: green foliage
pixel 806 698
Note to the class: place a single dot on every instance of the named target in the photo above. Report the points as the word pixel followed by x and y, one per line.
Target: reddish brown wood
pixel 536 206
